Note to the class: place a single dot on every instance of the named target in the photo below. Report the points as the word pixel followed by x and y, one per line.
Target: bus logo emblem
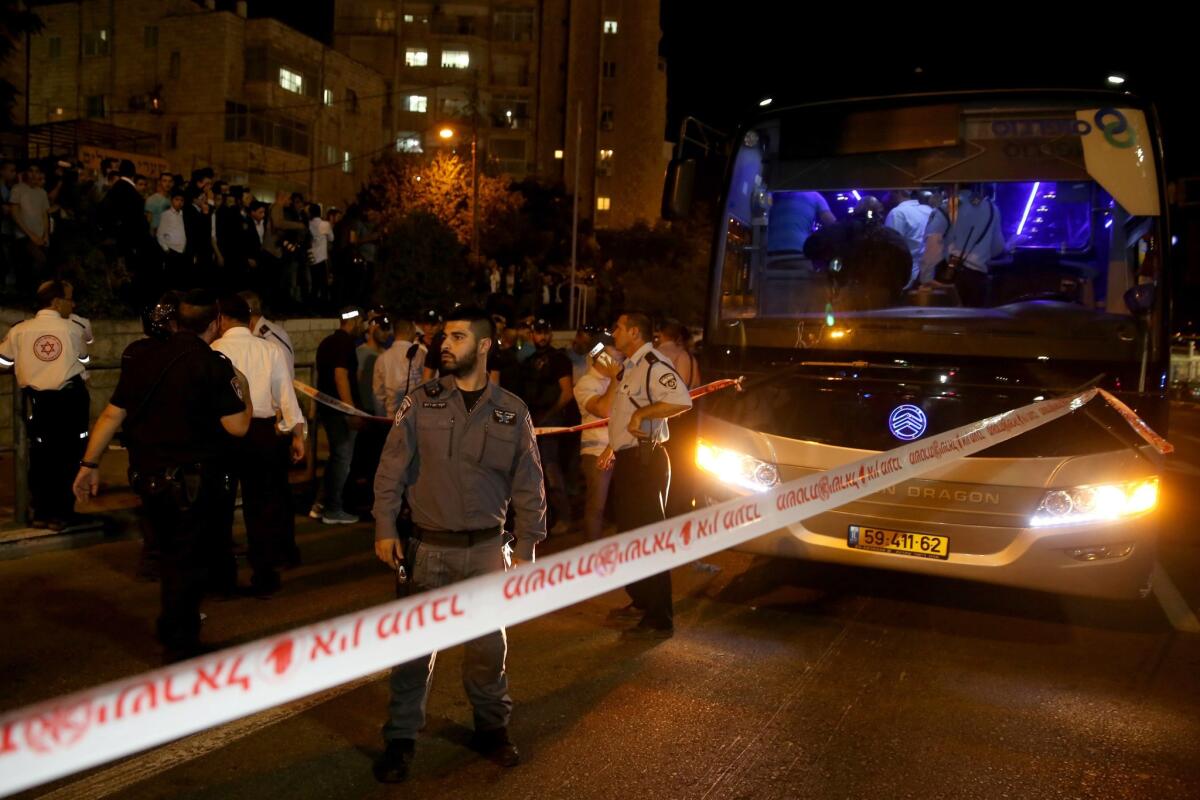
pixel 907 422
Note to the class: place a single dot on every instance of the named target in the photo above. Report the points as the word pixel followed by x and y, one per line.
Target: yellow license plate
pixel 905 543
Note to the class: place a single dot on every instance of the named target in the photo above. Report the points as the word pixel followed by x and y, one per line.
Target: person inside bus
pixel 908 218
pixel 867 262
pixel 792 218
pixel 966 246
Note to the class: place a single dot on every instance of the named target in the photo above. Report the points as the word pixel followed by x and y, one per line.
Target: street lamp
pixel 446 132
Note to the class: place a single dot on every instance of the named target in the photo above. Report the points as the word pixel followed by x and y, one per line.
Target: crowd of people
pixel 168 231
pixel 171 231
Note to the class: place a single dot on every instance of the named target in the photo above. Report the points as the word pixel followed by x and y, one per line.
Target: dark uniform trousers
pixel 263 461
pixel 640 485
pixel 183 507
pixel 483 674
pixel 56 422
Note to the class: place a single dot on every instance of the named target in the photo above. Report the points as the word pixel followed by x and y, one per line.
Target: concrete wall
pixel 113 336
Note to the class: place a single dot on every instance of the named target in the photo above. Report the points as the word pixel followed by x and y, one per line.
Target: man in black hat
pixel 123 217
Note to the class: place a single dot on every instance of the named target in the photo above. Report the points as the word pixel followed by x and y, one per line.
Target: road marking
pixel 159 760
pixel 1173 604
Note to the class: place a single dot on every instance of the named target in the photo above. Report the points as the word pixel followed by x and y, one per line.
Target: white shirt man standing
pixel 398 370
pixel 909 219
pixel 48 355
pixel 277 431
pixel 594 392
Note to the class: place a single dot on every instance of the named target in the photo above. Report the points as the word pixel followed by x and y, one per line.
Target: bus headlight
pixel 736 469
pixel 1102 503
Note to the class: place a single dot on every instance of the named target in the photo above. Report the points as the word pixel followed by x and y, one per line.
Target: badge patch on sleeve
pixel 405 405
pixel 504 417
pixel 668 380
pixel 237 388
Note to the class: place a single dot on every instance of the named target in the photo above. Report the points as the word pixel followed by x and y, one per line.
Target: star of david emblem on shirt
pixel 47 348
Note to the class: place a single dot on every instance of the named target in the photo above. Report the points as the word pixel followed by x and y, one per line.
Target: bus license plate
pixel 924 545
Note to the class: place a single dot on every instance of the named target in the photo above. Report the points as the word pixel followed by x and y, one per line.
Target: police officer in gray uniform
pixel 460 447
pixel 650 391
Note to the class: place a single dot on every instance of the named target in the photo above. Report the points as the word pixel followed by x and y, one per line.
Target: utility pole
pixel 575 210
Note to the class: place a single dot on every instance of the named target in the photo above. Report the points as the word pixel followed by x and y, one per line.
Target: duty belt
pixel 456 538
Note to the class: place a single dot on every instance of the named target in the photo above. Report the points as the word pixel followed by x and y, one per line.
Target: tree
pixel 662 270
pixel 440 186
pixel 16 22
pixel 421 265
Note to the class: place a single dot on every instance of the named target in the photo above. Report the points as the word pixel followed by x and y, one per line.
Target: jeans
pixel 341 453
pixel 597 496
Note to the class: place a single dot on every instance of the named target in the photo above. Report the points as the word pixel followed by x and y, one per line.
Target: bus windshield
pixel 970 228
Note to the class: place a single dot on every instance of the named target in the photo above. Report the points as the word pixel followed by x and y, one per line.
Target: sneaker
pixel 495 746
pixel 392 765
pixel 338 518
pixel 316 511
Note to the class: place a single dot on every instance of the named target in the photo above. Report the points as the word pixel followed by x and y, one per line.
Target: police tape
pixel 695 394
pixel 346 408
pixel 1141 428
pixel 58 737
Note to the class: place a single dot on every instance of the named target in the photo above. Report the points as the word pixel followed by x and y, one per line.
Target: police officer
pixel 460 447
pixel 262 458
pixel 650 392
pixel 49 355
pixel 176 399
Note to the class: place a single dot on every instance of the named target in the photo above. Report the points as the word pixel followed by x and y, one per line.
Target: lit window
pixel 416 102
pixel 415 57
pixel 347 162
pixel 455 59
pixel 408 17
pixel 606 155
pixel 409 143
pixel 292 81
pixel 328 96
pixel 558 154
pixel 603 203
pixel 610 26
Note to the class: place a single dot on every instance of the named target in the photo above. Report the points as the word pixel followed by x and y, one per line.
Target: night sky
pixel 723 58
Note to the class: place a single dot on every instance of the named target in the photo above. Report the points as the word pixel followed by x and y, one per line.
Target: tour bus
pixel 885 269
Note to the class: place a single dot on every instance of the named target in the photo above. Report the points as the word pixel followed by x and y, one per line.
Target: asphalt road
pixel 784 679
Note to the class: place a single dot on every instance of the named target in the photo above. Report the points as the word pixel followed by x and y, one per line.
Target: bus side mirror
pixel 1140 299
pixel 677 192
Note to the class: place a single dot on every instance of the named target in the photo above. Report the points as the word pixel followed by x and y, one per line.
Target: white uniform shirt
pixel 590 385
pixel 909 219
pixel 266 371
pixel 171 235
pixel 48 351
pixel 646 381
pixel 395 374
pixel 274 332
